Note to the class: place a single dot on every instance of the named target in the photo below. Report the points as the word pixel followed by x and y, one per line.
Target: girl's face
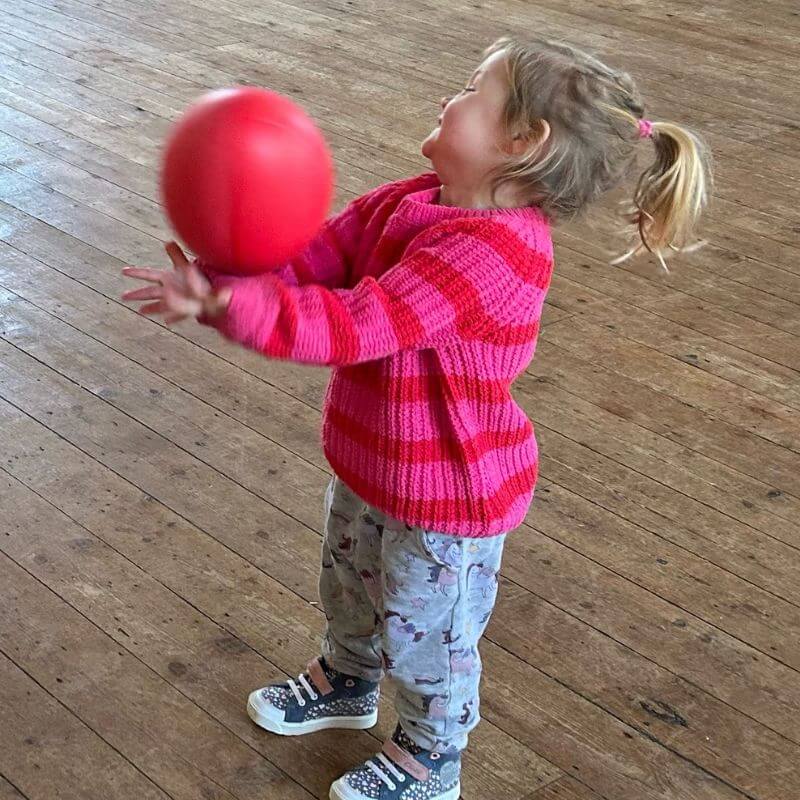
pixel 469 141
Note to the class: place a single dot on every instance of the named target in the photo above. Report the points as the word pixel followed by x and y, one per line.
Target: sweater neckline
pixel 424 206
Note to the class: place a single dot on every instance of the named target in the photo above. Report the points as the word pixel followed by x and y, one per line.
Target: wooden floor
pixel 161 491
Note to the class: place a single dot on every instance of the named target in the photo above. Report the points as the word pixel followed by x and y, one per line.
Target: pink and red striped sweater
pixel 427 313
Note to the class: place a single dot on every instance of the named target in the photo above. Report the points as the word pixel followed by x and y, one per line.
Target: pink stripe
pixel 374 305
pixel 491 360
pixel 413 420
pixel 445 293
pixel 315 338
pixel 403 320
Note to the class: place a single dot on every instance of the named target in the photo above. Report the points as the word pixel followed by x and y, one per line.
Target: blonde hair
pixel 595 115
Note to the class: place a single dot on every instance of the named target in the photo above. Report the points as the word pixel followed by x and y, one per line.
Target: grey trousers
pixel 411 605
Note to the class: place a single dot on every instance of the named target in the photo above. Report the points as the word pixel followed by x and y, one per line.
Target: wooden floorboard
pixel 160 556
pixel 163 734
pixel 8 791
pixel 565 788
pixel 48 751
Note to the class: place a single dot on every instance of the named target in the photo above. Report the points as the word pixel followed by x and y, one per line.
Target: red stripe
pixel 511 335
pixel 387 253
pixel 407 328
pixel 300 264
pixel 420 388
pixel 361 208
pixel 528 263
pixel 461 293
pixel 303 264
pixel 281 341
pixel 302 270
pixel 335 243
pixel 424 451
pixel 454 287
pixel 345 345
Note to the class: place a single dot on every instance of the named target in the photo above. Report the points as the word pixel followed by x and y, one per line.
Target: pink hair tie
pixel 645 129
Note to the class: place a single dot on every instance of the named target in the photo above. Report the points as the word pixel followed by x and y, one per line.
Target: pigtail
pixel 671 193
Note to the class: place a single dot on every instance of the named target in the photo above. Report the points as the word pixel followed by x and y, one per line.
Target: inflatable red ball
pixel 247 179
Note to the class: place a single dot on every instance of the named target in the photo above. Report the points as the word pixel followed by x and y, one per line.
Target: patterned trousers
pixel 412 605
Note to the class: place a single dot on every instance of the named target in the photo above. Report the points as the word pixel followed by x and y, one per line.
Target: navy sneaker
pixel 320 698
pixel 402 771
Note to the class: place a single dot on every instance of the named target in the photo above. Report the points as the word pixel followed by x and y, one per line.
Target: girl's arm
pixel 329 258
pixel 459 279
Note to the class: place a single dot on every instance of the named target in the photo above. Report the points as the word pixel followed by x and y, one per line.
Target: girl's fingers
pixel 149 309
pixel 176 256
pixel 145 293
pixel 145 274
pixel 180 303
pixel 199 286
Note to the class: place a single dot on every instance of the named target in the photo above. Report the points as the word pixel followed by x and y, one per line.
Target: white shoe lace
pixel 304 684
pixel 385 762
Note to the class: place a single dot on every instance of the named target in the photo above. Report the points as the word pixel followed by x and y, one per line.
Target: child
pixel 425 295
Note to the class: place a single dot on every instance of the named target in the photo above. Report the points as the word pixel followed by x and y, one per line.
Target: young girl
pixel 425 295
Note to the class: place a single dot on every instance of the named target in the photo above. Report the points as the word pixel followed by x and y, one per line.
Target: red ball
pixel 247 179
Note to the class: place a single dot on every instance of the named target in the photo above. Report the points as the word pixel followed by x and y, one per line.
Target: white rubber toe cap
pixel 272 719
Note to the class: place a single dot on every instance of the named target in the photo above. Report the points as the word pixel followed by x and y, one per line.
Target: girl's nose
pixel 444 101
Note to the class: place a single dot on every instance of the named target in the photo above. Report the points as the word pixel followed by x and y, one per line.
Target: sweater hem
pixel 402 509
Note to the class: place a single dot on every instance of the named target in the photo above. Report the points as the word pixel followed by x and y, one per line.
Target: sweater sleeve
pixel 458 279
pixel 328 259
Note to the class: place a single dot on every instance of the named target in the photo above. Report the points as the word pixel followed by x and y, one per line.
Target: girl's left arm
pixel 329 257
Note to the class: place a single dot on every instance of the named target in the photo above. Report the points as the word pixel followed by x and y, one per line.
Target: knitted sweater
pixel 427 313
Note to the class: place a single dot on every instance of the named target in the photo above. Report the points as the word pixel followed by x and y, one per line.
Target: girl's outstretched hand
pixel 183 291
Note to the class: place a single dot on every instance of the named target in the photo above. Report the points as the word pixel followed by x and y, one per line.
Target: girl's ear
pixel 533 139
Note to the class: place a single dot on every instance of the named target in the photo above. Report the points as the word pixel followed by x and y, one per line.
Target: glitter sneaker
pixel 320 698
pixel 402 771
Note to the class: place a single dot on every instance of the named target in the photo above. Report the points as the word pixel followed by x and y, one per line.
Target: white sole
pixel 299 728
pixel 341 791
